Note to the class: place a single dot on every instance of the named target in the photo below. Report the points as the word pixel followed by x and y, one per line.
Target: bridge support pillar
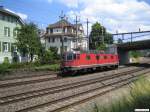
pixel 123 57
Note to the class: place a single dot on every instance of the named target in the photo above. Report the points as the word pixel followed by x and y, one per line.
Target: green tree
pixel 28 42
pixel 99 36
pixel 101 47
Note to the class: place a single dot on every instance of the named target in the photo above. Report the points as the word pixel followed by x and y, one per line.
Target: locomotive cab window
pixel 88 57
pixel 70 57
pixel 74 56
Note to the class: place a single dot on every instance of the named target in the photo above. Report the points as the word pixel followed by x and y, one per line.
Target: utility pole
pixel 62 16
pixel 76 22
pixel 102 35
pixel 131 37
pixel 87 22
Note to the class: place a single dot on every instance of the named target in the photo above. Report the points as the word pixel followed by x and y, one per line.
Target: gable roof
pixel 3 10
pixel 61 23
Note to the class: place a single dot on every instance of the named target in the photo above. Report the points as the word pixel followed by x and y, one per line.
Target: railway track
pixel 28 75
pixel 27 80
pixel 102 80
pixel 18 81
pixel 13 90
pixel 107 87
pixel 51 90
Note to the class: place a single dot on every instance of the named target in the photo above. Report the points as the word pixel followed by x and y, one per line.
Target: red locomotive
pixel 81 61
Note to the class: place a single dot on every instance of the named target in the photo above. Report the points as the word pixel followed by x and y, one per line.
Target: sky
pixel 115 15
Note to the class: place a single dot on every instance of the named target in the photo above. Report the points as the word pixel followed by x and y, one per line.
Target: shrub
pixel 139 97
pixel 4 68
pixel 135 54
pixel 6 60
pixel 50 56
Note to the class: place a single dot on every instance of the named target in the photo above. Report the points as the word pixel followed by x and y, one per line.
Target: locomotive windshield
pixel 69 56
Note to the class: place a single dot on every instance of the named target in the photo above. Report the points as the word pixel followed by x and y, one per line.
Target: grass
pixel 139 97
pixel 7 68
pixel 54 67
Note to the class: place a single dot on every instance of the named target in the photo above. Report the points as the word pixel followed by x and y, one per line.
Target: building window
pixel 65 39
pixel 8 18
pixel 7 31
pixel 49 39
pixel 53 39
pixel 5 47
pixel 3 17
pixel 51 30
pixel 14 32
pixel 12 19
pixel 65 48
pixel 13 48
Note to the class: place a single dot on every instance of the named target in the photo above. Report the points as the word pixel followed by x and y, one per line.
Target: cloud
pixel 70 3
pixel 121 15
pixel 50 1
pixel 23 16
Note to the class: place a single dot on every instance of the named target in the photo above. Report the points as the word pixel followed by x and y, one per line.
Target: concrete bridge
pixel 125 47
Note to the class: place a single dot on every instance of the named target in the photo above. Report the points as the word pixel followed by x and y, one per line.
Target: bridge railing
pixel 131 36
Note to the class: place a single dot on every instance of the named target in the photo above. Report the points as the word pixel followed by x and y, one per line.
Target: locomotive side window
pixel 88 57
pixel 78 56
pixel 105 57
pixel 97 57
pixel 112 57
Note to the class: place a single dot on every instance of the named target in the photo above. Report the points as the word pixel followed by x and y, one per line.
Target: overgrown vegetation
pixel 134 54
pixel 6 68
pixel 139 97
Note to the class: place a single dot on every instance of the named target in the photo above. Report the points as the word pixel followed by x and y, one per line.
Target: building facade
pixel 8 23
pixel 72 36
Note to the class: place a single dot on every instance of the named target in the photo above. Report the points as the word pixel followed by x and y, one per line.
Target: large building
pixel 8 23
pixel 72 36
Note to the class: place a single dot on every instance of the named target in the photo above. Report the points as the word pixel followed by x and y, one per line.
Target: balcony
pixel 70 34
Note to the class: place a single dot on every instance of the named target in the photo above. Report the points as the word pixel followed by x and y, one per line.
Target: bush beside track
pixel 8 68
pixel 139 98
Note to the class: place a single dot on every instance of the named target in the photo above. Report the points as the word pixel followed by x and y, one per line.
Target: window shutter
pixel 12 47
pixel 0 47
pixel 3 46
pixel 8 32
pixel 9 47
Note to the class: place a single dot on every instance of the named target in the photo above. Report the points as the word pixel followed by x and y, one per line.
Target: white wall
pixel 57 30
pixel 70 44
